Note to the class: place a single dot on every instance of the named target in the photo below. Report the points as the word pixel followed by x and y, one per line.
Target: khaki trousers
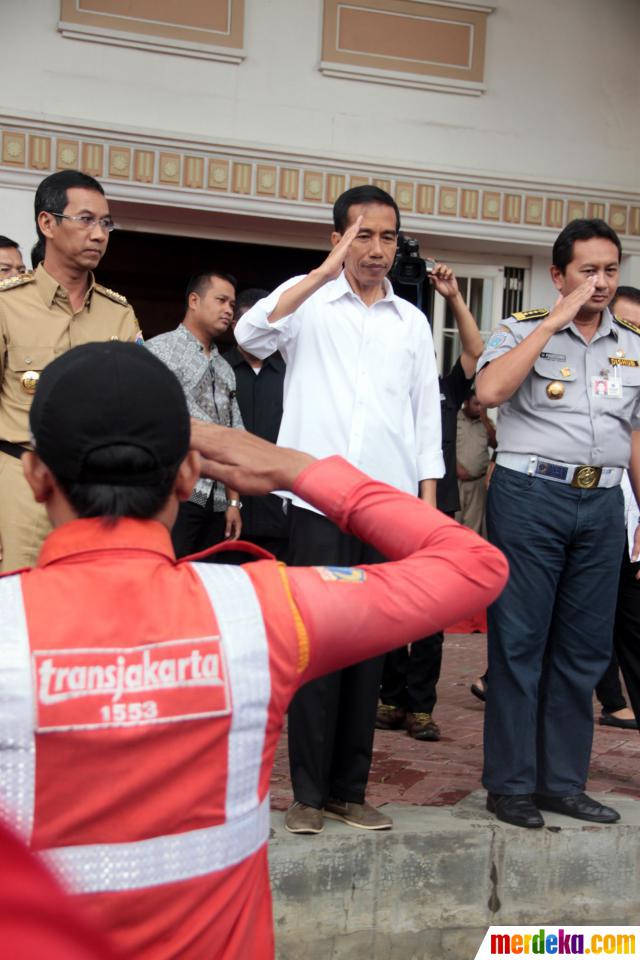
pixel 23 522
pixel 473 495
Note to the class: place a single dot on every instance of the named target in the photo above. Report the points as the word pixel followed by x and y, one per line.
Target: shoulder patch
pixel 342 574
pixel 111 294
pixel 19 281
pixel 537 314
pixel 627 325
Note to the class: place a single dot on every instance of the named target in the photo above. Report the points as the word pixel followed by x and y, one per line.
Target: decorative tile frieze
pixel 93 159
pixel 266 179
pixel 314 184
pixel 404 195
pixel 40 153
pixel 448 202
pixel 13 148
pixel 67 155
pixel 144 166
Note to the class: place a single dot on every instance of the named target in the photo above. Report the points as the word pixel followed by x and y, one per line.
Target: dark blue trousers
pixel 550 631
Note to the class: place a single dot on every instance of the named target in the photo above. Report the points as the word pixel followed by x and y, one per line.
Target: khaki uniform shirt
pixel 37 324
pixel 472 445
pixel 557 411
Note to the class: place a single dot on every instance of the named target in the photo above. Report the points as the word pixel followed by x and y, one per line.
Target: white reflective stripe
pixel 104 867
pixel 244 639
pixel 17 738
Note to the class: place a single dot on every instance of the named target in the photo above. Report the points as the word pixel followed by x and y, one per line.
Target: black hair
pixel 114 501
pixel 249 297
pixel 581 230
pixel 363 194
pixel 629 293
pixel 51 195
pixel 37 253
pixel 199 283
pixel 6 242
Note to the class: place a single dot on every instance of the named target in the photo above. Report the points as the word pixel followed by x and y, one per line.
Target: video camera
pixel 408 266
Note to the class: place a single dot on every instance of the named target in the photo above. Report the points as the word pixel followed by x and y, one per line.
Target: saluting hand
pixel 332 266
pixel 565 309
pixel 243 461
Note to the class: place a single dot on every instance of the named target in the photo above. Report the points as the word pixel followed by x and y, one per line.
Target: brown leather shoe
pixel 361 815
pixel 301 818
pixel 422 726
pixel 389 717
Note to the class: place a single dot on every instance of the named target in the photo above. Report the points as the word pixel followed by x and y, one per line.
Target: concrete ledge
pixel 429 888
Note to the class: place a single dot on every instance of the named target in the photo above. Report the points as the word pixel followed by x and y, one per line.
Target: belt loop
pixel 532 466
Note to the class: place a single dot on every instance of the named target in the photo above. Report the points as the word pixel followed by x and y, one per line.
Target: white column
pixel 630 270
pixel 17 220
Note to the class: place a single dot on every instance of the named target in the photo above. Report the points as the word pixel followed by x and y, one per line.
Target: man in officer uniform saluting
pixel 43 314
pixel 567 382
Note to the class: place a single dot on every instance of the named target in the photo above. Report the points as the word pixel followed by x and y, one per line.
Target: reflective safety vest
pixel 181 886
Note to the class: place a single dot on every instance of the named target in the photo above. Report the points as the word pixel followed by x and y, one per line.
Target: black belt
pixel 13 449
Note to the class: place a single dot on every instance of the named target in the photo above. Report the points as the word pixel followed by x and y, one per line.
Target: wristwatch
pixel 235 503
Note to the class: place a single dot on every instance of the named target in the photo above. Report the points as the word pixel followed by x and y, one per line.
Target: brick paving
pixel 442 773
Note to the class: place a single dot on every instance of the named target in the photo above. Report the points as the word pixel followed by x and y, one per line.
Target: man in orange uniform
pixel 141 699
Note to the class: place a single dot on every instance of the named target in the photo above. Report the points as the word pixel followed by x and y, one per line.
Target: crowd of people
pixel 152 638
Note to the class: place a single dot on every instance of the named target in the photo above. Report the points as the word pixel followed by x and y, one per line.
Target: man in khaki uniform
pixel 475 434
pixel 43 314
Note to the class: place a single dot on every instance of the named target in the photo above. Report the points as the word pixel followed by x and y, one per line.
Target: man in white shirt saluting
pixel 362 382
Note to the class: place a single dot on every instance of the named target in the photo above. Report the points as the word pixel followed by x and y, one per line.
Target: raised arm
pixel 252 330
pixel 500 379
pixel 437 572
pixel 444 281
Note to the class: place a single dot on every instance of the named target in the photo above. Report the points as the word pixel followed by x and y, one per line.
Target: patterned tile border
pixel 314 186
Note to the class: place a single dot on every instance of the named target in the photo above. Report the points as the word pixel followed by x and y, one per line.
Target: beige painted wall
pixel 562 78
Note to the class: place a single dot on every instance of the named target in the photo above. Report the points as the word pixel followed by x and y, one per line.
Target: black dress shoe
pixel 579 806
pixel 516 808
pixel 608 720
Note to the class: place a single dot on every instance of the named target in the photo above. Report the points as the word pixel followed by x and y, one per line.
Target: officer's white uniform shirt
pixel 579 426
pixel 361 381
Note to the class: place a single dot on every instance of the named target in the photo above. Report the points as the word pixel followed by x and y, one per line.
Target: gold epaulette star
pixel 537 314
pixel 111 294
pixel 18 281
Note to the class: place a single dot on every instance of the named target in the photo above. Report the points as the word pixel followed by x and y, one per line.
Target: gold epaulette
pixel 18 281
pixel 627 325
pixel 111 294
pixel 536 314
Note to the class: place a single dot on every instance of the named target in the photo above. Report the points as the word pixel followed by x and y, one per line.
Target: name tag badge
pixel 606 389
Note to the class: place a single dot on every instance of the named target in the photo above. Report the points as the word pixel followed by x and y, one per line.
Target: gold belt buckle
pixel 585 477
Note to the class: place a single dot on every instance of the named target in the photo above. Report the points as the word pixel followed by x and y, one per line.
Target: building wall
pixel 561 101
pixel 554 135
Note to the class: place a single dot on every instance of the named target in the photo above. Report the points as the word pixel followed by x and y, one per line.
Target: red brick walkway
pixel 437 774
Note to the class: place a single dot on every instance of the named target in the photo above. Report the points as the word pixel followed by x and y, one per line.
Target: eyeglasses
pixel 86 221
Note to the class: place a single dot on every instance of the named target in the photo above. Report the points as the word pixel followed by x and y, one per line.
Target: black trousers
pixel 626 634
pixel 331 719
pixel 196 528
pixel 409 677
pixel 609 690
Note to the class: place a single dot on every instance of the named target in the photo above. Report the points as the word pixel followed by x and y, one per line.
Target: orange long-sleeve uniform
pixel 141 700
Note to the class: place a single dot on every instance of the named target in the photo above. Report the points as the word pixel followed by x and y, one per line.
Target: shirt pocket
pixel 548 372
pixel 24 365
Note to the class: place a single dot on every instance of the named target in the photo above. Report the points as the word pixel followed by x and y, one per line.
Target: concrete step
pixel 429 888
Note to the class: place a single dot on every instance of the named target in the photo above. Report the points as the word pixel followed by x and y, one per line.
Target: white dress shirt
pixel 361 381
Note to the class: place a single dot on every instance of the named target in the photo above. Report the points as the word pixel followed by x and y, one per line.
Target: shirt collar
pixel 93 535
pixel 193 340
pixel 341 287
pixel 48 286
pixel 235 359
